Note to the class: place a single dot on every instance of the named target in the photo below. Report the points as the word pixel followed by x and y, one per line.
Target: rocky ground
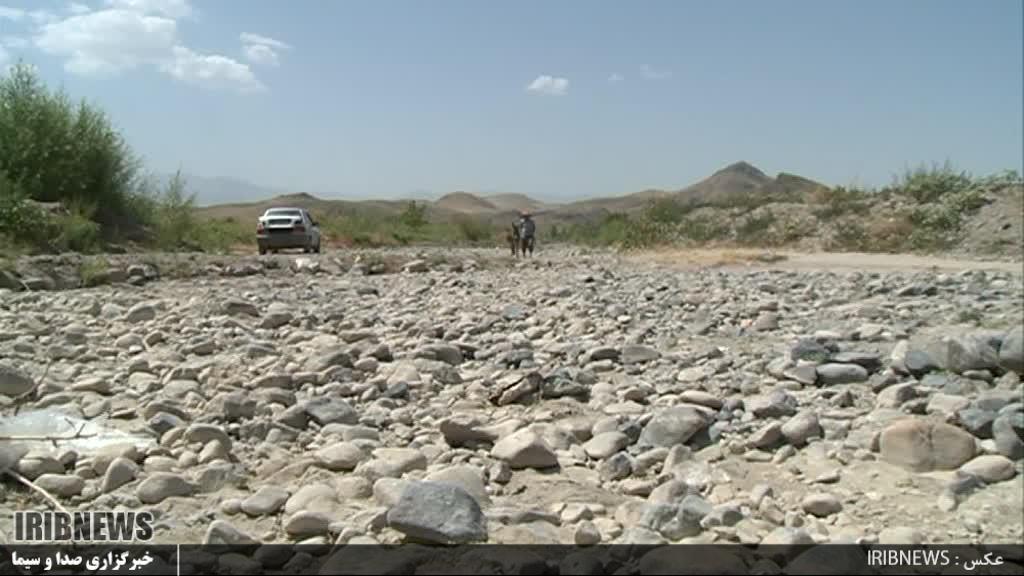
pixel 573 398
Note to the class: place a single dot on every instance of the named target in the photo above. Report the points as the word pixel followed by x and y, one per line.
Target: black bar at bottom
pixel 511 559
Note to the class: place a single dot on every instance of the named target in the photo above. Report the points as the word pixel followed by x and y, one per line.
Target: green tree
pixel 54 150
pixel 414 216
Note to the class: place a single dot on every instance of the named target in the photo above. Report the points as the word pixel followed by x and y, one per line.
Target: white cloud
pixel 171 8
pixel 211 70
pixel 652 73
pixel 108 41
pixel 250 38
pixel 549 85
pixel 129 34
pixel 616 77
pixel 15 14
pixel 262 49
pixel 261 54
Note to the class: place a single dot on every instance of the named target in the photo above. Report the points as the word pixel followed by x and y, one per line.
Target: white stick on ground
pixel 49 497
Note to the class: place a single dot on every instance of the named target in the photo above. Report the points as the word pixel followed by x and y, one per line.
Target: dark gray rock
pixel 331 410
pixel 561 384
pixel 617 467
pixel 977 421
pixel 438 513
pixel 995 400
pixel 775 404
pixel 811 351
pixel 918 363
pixel 162 422
pixel 1011 352
pixel 1008 432
pixel 676 520
pixel 971 352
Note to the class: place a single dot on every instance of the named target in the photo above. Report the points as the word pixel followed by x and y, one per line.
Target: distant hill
pixel 742 179
pixel 734 181
pixel 219 190
pixel 518 202
pixel 464 202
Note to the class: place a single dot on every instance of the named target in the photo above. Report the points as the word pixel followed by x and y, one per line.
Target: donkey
pixel 513 240
pixel 526 245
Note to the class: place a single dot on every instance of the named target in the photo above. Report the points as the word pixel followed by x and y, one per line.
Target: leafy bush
pixel 849 236
pixel 666 210
pixel 77 233
pixel 743 201
pixel 703 230
pixel 473 230
pixel 644 234
pixel 839 201
pixel 175 222
pixel 889 234
pixel 926 185
pixel 21 221
pixel 755 230
pixel 220 235
pixel 365 228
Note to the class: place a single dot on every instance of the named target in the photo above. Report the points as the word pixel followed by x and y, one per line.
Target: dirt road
pixel 849 261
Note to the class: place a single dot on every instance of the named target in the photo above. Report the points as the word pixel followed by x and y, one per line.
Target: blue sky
pixel 555 99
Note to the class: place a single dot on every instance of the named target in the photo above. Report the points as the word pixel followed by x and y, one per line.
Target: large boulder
pixel 1008 433
pixel 990 468
pixel 968 352
pixel 438 513
pixel 14 382
pixel 525 448
pixel 673 426
pixel 923 446
pixel 1011 352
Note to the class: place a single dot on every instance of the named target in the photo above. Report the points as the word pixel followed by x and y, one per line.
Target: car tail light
pixel 259 226
pixel 300 228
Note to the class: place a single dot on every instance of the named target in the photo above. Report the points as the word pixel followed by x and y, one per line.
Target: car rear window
pixel 283 213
